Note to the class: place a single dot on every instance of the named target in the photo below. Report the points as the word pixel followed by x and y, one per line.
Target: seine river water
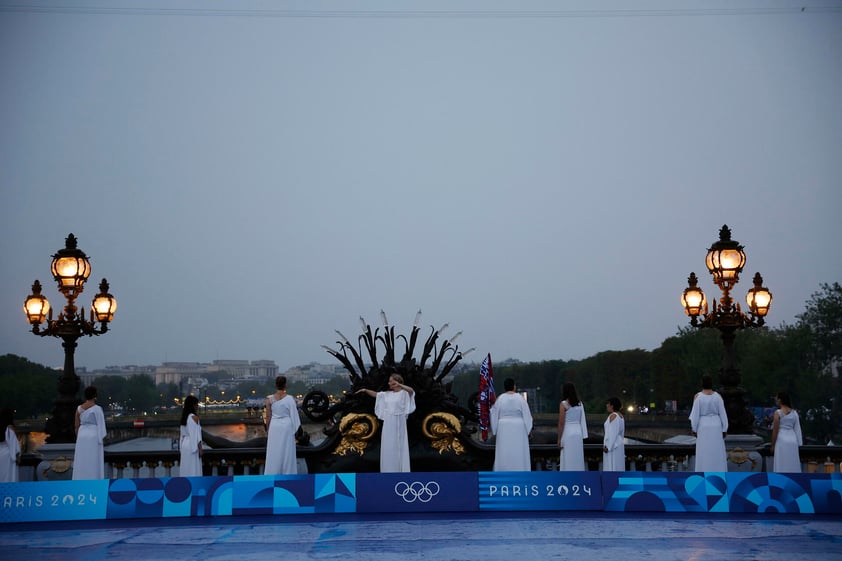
pixel 235 432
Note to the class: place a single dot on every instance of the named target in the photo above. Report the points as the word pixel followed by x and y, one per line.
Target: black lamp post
pixel 725 261
pixel 70 269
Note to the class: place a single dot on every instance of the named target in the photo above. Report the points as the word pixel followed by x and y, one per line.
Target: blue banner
pixel 417 492
pixel 33 501
pixel 540 490
pixel 634 491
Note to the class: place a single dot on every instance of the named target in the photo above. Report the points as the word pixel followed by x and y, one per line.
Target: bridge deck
pixel 490 537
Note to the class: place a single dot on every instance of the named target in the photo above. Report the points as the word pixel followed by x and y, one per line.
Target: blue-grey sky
pixel 543 176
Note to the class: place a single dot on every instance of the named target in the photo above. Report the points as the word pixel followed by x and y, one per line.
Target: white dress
pixel 787 458
pixel 574 433
pixel 9 451
pixel 190 464
pixel 614 440
pixel 709 420
pixel 393 408
pixel 89 457
pixel 511 421
pixel 280 442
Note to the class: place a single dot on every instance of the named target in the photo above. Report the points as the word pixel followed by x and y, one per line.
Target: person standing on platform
pixel 282 422
pixel 190 443
pixel 511 422
pixel 393 407
pixel 9 447
pixel 709 423
pixel 572 430
pixel 786 437
pixel 613 441
pixel 89 456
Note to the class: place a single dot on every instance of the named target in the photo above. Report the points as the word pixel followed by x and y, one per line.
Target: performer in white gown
pixel 709 422
pixel 786 437
pixel 511 422
pixel 190 443
pixel 572 430
pixel 9 447
pixel 89 456
pixel 282 422
pixel 613 440
pixel 393 407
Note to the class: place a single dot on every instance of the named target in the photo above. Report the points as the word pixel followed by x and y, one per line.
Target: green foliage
pixel 822 323
pixel 680 362
pixel 823 319
pixel 28 388
pixel 135 394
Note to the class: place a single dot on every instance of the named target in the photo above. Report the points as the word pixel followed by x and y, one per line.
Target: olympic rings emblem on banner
pixel 417 491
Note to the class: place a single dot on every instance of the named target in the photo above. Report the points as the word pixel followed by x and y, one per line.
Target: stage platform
pixel 487 516
pixel 498 536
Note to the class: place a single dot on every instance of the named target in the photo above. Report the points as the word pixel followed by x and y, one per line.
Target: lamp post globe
pixel 70 268
pixel 725 260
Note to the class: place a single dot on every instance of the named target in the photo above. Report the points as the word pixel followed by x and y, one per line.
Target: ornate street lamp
pixel 70 269
pixel 725 261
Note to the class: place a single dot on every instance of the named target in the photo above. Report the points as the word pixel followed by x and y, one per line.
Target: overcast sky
pixel 543 176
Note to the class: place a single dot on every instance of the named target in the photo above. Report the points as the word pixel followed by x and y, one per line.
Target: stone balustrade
pixel 249 461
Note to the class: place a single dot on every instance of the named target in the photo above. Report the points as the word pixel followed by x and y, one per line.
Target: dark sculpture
pixel 439 437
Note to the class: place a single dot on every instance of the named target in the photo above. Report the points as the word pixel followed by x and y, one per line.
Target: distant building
pixel 128 371
pixel 178 372
pixel 314 373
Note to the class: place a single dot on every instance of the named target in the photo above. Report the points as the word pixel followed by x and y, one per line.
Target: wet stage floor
pixel 529 536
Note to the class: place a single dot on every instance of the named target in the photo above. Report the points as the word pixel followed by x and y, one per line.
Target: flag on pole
pixel 487 397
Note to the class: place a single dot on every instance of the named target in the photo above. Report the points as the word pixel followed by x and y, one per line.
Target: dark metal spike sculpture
pixel 430 393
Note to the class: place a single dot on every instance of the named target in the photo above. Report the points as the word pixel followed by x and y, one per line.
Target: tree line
pixel 802 359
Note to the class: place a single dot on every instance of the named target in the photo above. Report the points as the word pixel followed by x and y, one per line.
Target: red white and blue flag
pixel 487 397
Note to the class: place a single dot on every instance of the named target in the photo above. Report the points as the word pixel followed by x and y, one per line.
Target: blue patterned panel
pixel 335 492
pixel 665 492
pixel 273 494
pixel 826 490
pixel 770 492
pixel 166 497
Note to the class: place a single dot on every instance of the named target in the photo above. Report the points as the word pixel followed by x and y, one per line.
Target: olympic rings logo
pixel 417 491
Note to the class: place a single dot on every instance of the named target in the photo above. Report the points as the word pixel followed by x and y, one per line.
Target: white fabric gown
pixel 709 420
pixel 89 457
pixel 787 458
pixel 511 422
pixel 393 408
pixel 614 440
pixel 9 451
pixel 574 433
pixel 190 463
pixel 280 444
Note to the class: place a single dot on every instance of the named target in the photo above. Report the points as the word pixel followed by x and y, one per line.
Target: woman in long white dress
pixel 709 422
pixel 613 440
pixel 9 447
pixel 190 443
pixel 282 422
pixel 89 456
pixel 393 407
pixel 786 437
pixel 572 430
pixel 511 422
